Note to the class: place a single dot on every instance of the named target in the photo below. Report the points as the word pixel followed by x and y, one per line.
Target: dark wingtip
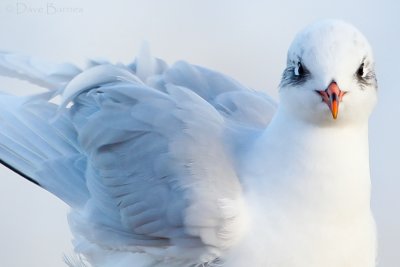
pixel 20 173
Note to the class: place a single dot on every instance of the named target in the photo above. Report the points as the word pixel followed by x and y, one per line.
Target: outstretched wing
pixel 157 153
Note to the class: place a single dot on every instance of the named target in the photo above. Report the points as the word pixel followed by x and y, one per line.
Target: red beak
pixel 332 96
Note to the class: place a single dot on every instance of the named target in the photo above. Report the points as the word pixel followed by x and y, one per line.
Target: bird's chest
pixel 308 196
pixel 293 232
pixel 308 223
pixel 283 234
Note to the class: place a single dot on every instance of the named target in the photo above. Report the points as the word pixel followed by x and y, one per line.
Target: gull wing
pixel 151 161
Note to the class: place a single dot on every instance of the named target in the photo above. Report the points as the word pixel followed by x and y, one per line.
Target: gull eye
pixel 365 75
pixel 295 74
pixel 299 69
pixel 360 71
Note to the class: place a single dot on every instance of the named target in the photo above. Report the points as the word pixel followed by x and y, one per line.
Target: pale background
pixel 245 39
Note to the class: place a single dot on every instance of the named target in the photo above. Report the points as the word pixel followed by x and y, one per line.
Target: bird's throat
pixel 316 164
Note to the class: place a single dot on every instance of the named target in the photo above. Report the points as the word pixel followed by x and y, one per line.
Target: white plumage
pixel 183 166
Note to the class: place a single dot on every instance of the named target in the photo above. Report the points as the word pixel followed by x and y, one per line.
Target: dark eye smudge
pixel 290 78
pixel 365 79
pixel 365 76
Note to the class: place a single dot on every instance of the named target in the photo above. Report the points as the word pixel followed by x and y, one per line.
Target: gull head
pixel 329 78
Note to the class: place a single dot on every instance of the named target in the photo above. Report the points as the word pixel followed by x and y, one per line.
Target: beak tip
pixel 335 113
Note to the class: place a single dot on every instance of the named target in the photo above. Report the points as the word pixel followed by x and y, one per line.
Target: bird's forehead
pixel 329 42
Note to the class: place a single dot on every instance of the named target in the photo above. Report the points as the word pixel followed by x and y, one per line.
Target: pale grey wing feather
pixel 232 99
pixel 45 153
pixel 159 173
pixel 39 72
pixel 249 108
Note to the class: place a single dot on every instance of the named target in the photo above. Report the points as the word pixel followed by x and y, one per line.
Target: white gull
pixel 182 166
